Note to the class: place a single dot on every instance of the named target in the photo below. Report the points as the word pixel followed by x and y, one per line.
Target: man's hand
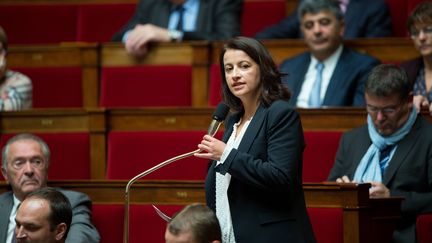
pixel 344 179
pixel 139 38
pixel 420 101
pixel 378 190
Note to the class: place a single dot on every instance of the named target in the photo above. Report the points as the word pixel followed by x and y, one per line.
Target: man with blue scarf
pixel 393 151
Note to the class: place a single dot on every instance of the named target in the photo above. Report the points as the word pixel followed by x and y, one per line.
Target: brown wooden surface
pixel 364 219
pixel 385 49
pixel 83 55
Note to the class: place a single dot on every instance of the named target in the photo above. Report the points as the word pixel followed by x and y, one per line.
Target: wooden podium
pixel 364 219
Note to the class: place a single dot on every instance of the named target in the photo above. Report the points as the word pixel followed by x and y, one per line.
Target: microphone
pixel 218 117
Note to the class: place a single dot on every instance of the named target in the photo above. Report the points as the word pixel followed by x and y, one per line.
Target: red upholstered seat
pixel 55 86
pixel 96 22
pixel 260 14
pixel 327 224
pixel 39 23
pixel 424 228
pixel 144 223
pixel 319 154
pixel 70 155
pixel 130 153
pixel 146 86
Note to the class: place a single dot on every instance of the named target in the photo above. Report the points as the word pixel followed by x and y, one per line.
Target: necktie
pixel 315 95
pixel 385 157
pixel 180 9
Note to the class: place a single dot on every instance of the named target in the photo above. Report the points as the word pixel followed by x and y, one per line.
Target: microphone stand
pixel 214 126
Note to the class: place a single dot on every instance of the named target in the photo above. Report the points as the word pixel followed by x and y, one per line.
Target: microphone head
pixel 221 112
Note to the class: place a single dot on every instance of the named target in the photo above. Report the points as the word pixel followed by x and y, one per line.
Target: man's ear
pixel 3 170
pixel 61 231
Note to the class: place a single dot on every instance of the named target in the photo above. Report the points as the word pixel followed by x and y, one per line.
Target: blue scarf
pixel 369 169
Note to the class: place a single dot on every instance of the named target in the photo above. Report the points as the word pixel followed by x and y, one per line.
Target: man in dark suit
pixel 329 74
pixel 25 165
pixel 393 151
pixel 363 18
pixel 161 21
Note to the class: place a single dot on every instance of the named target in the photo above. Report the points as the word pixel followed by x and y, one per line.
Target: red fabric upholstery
pixel 260 14
pixel 37 24
pixel 399 14
pixel 70 155
pixel 424 228
pixel 327 224
pixel 55 87
pixel 215 85
pixel 144 224
pixel 96 22
pixel 319 154
pixel 130 153
pixel 146 86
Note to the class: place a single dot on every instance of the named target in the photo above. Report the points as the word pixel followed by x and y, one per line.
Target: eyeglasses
pixel 414 33
pixel 37 163
pixel 387 111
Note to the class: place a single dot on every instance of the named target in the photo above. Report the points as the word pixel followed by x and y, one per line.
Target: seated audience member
pixel 195 223
pixel 176 20
pixel 393 151
pixel 25 164
pixel 363 18
pixel 329 74
pixel 419 70
pixel 45 215
pixel 15 88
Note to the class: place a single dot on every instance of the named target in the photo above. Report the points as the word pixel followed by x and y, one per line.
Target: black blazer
pixel 217 19
pixel 409 173
pixel 346 87
pixel 265 193
pixel 363 18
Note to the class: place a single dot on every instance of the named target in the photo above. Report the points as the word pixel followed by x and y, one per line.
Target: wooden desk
pixel 364 219
pixel 83 55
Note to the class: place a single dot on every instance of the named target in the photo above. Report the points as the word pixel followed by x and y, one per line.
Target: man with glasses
pixel 393 151
pixel 419 70
pixel 25 163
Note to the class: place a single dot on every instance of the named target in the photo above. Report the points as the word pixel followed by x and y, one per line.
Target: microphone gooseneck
pixel 218 117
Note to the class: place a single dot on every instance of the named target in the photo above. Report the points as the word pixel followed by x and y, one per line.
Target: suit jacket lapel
pixel 164 12
pixel 298 77
pixel 403 147
pixel 255 125
pixel 337 77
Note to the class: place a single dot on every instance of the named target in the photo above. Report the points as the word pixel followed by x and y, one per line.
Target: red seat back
pixel 260 14
pixel 424 228
pixel 39 23
pixel 55 87
pixel 95 21
pixel 319 154
pixel 70 155
pixel 144 224
pixel 146 86
pixel 130 153
pixel 327 224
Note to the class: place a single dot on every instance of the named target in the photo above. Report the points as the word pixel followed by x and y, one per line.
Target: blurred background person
pixel 255 180
pixel 15 88
pixel 177 20
pixel 419 70
pixel 363 19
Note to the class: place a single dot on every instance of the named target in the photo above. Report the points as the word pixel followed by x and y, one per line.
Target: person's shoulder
pixel 281 108
pixel 297 59
pixel 355 55
pixel 14 77
pixel 73 195
pixel 6 195
pixel 355 132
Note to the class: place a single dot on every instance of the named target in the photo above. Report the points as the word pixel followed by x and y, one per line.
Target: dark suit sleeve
pixel 378 24
pixel 81 230
pixel 278 149
pixel 224 23
pixel 341 165
pixel 139 17
pixel 286 28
